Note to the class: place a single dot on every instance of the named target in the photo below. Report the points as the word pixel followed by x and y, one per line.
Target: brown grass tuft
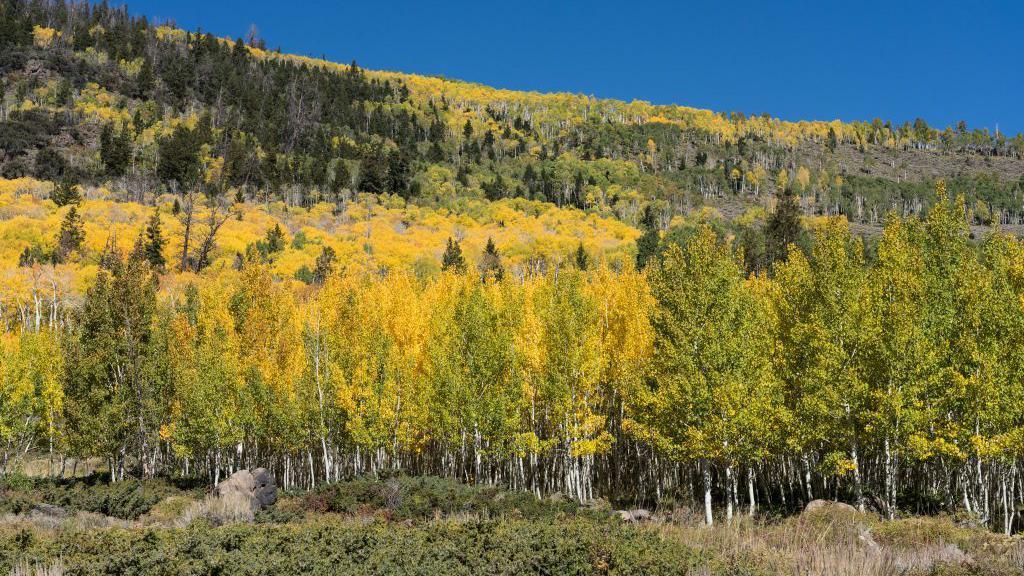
pixel 837 543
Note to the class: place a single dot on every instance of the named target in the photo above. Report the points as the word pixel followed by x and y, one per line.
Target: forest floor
pixel 429 525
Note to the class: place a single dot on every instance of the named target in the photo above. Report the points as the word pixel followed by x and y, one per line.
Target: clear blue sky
pixel 944 61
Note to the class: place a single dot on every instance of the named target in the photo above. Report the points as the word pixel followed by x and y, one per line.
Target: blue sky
pixel 943 61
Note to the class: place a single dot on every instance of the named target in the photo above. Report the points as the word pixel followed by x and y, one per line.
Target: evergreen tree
pixel 490 263
pixel 155 242
pixel 113 407
pixel 579 195
pixel 497 189
pixel 106 145
pixel 782 229
pixel 115 150
pixel 399 173
pixel 342 178
pixel 144 81
pixel 64 193
pixel 178 157
pixel 50 165
pixel 373 171
pixel 581 258
pixel 71 235
pixel 436 154
pixel 274 240
pixel 324 265
pixel 453 259
pixel 647 244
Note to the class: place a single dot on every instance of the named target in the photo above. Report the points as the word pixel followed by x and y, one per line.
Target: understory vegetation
pixel 431 525
pixel 888 379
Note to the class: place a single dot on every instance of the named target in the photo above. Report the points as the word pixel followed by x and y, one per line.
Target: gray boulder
pixel 266 489
pixel 831 505
pixel 256 487
pixel 48 511
pixel 638 515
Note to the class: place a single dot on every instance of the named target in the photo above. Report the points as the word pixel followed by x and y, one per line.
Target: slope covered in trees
pixel 93 95
pixel 215 256
pixel 893 380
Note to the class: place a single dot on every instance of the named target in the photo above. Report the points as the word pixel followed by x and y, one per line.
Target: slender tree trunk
pixel 729 496
pixel 709 518
pixel 858 489
pixel 750 490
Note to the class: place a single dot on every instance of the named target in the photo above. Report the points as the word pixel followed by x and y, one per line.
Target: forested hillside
pixel 95 96
pixel 215 256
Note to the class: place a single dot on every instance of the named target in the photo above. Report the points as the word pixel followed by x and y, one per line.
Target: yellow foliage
pixel 43 37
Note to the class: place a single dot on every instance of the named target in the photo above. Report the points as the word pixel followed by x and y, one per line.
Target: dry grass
pixel 42 466
pixel 168 511
pixel 836 543
pixel 77 521
pixel 230 508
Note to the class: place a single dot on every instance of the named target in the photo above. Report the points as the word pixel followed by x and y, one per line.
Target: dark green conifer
pixel 453 259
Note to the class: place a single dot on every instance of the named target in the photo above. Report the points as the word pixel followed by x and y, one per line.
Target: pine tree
pixel 50 165
pixel 71 235
pixel 579 194
pixel 490 264
pixel 106 144
pixel 342 179
pixel 64 193
pixel 144 81
pixel 373 171
pixel 782 229
pixel 399 173
pixel 111 397
pixel 453 259
pixel 581 258
pixel 436 154
pixel 647 244
pixel 178 157
pixel 324 265
pixel 496 190
pixel 115 150
pixel 274 240
pixel 155 242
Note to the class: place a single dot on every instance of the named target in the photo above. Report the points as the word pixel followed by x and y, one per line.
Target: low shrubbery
pixel 412 498
pixel 395 498
pixel 427 525
pixel 127 500
pixel 353 546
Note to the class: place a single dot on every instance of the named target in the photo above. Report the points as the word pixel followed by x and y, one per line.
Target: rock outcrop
pixel 828 505
pixel 256 487
pixel 638 515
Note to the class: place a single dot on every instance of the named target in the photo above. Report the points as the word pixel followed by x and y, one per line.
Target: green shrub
pixel 411 498
pixel 576 546
pixel 127 500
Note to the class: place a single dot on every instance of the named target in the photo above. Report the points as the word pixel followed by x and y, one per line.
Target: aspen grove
pixel 895 378
pixel 217 256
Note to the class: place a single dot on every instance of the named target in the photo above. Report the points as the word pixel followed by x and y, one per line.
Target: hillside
pixel 214 256
pixel 255 124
